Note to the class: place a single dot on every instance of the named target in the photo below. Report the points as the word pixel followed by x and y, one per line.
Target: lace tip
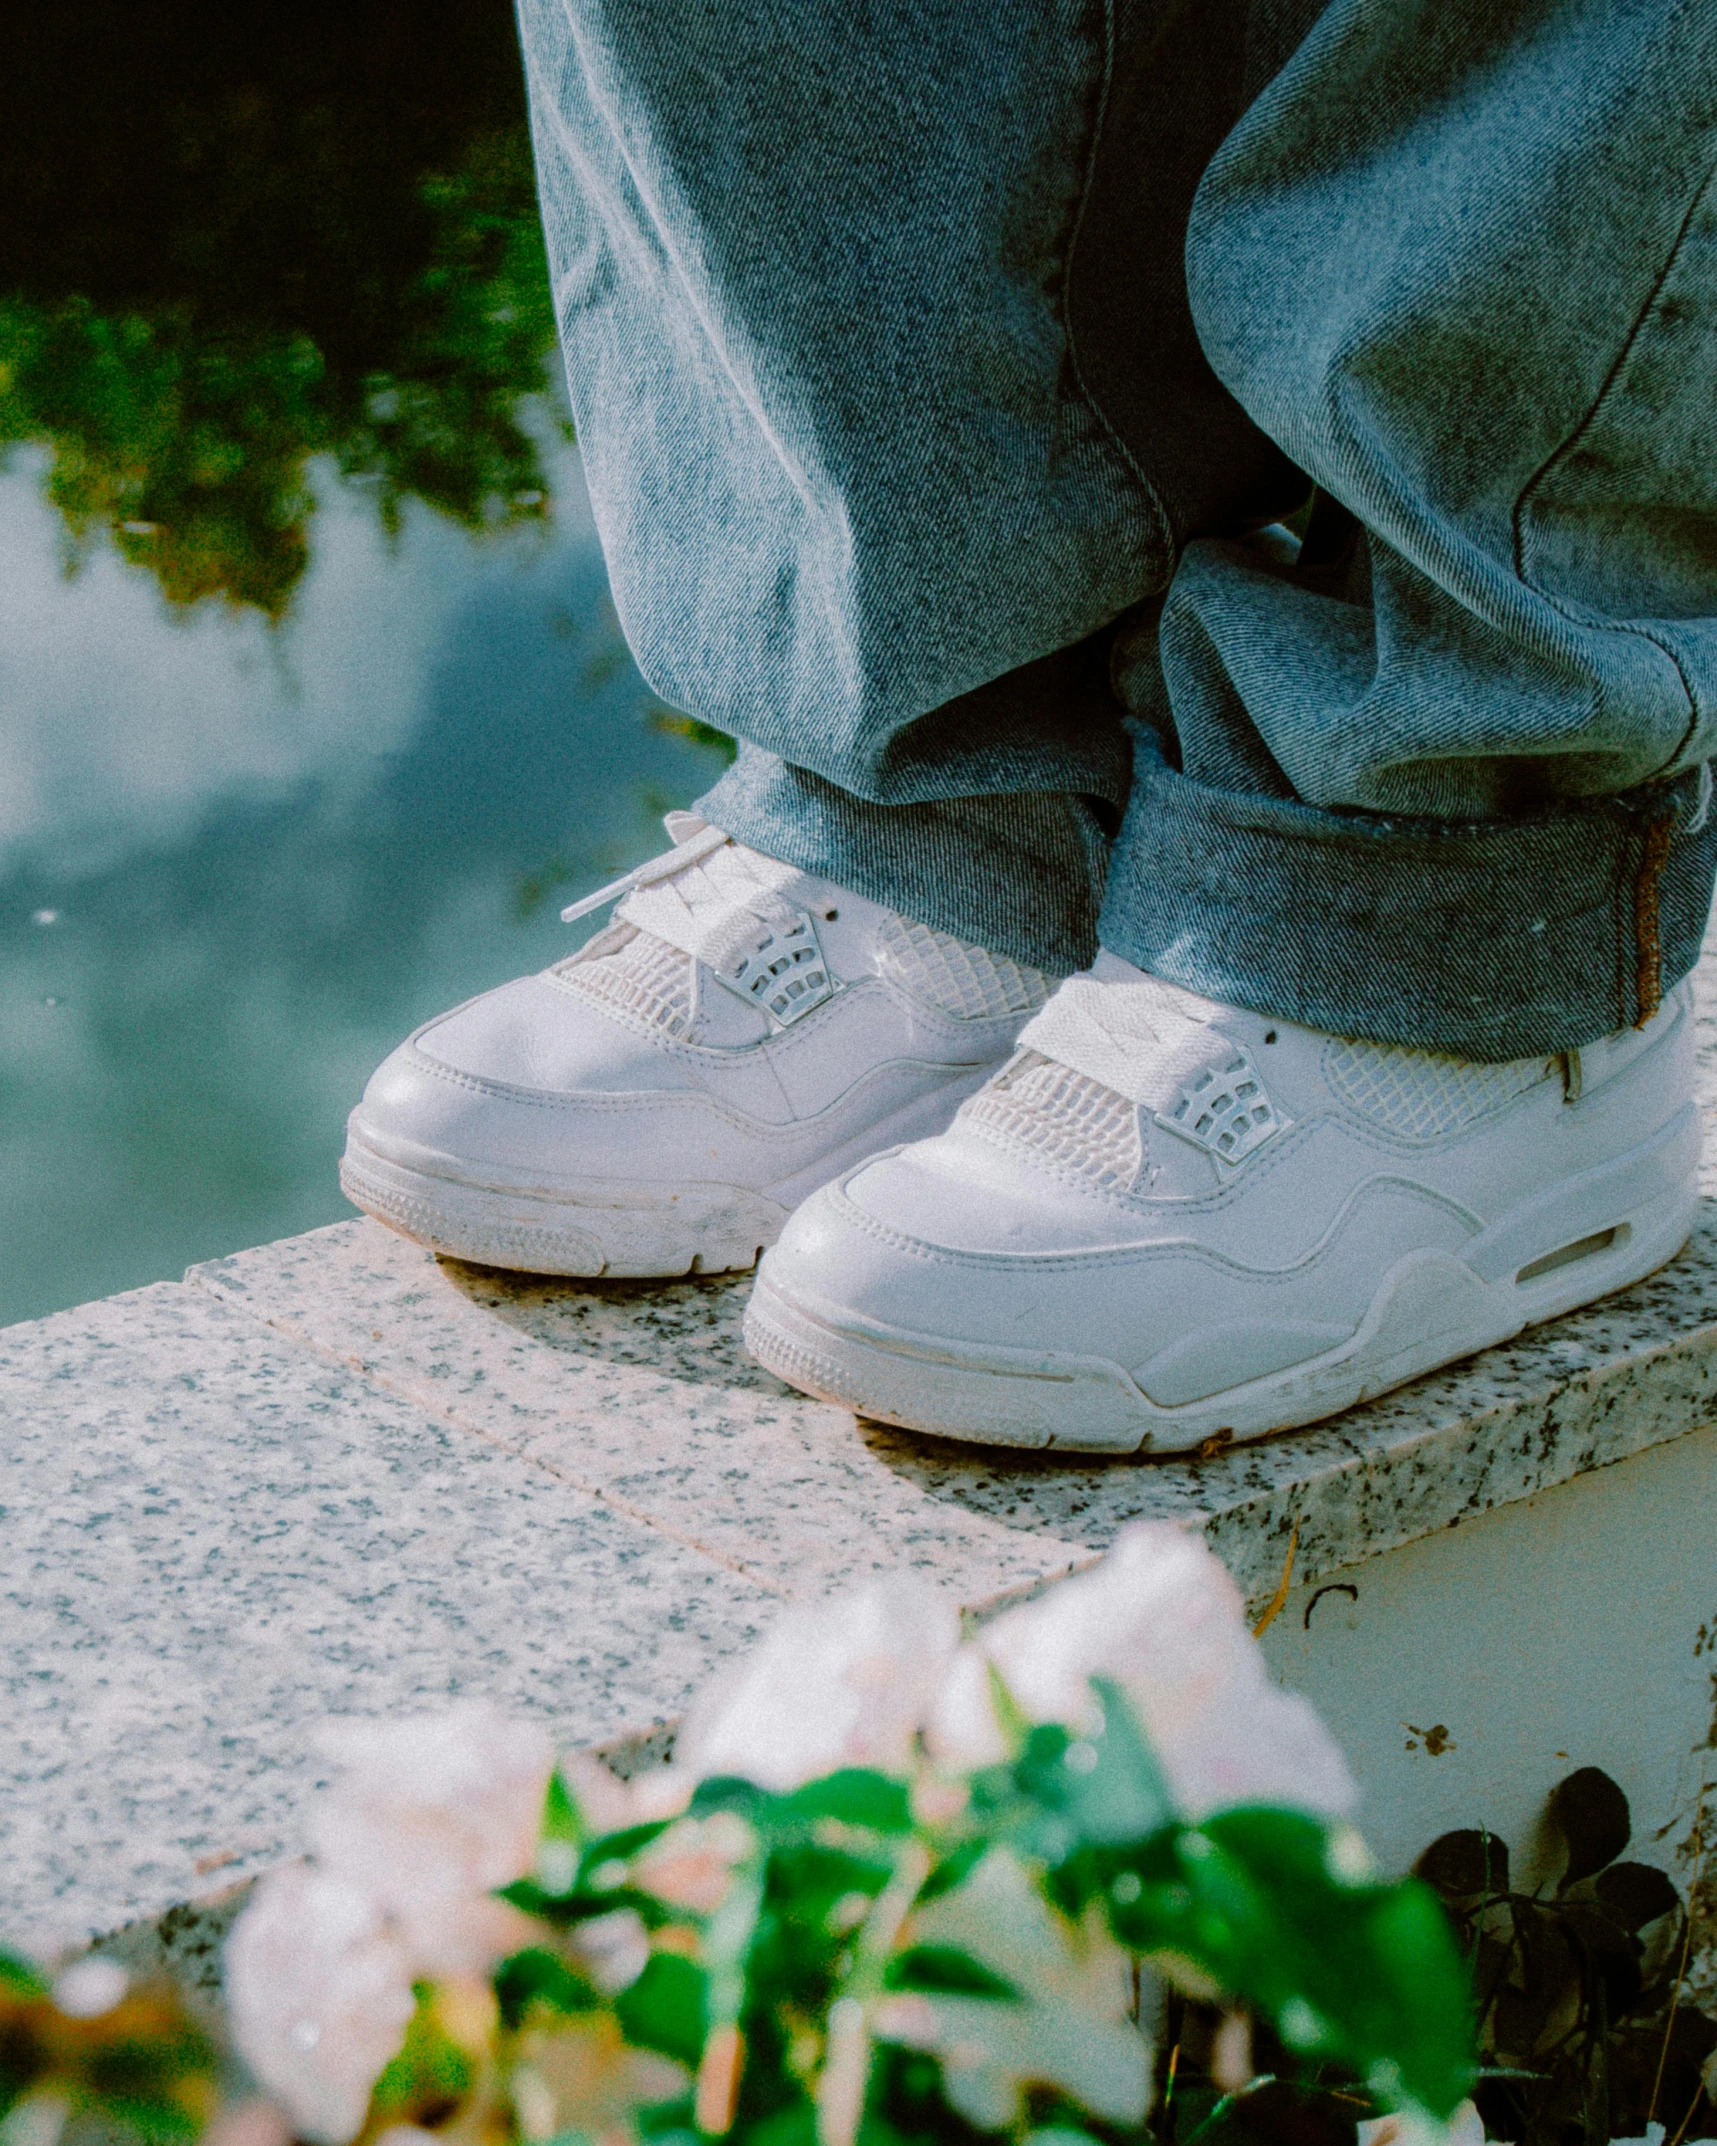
pixel 600 899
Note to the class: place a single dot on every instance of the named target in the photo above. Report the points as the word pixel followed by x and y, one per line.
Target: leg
pixel 1462 263
pixel 873 448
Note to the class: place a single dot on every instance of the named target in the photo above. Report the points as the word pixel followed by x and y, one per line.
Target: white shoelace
pixel 748 918
pixel 702 843
pixel 1137 1038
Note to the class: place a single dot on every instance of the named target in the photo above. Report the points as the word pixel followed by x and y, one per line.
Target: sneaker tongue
pixel 1141 1039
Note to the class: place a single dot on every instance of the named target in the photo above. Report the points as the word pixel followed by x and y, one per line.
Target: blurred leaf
pixel 430 2074
pixel 1471 1861
pixel 947 1968
pixel 1365 1973
pixel 600 1881
pixel 18 1978
pixel 597 2083
pixel 728 1792
pixel 855 1796
pixel 537 1975
pixel 1068 2027
pixel 1095 1793
pixel 1635 1894
pixel 1591 1814
pixel 144 2068
pixel 666 2009
pixel 562 1820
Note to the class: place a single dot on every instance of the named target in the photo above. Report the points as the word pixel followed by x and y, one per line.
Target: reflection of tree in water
pixel 232 238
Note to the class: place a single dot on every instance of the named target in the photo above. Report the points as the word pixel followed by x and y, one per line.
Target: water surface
pixel 313 707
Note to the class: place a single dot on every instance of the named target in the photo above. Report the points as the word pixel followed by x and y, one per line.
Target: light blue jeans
pixel 941 370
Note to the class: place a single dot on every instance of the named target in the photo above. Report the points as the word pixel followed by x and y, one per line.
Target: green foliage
pixel 237 240
pixel 141 2072
pixel 188 441
pixel 430 2074
pixel 868 1961
pixel 1582 2031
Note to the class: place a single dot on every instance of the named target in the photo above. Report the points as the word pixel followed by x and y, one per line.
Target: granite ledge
pixel 642 1395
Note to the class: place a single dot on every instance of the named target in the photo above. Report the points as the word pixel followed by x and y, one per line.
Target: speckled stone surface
pixel 644 1395
pixel 211 1540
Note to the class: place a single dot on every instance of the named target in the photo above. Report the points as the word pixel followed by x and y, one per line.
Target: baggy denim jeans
pixel 944 373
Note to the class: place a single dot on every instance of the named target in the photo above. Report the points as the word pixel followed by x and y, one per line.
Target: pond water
pixel 313 707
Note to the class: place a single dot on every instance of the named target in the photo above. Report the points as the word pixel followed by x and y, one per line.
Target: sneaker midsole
pixel 1429 1308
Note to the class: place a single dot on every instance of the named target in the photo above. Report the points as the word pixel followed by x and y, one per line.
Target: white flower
pixel 254 2122
pixel 90 1987
pixel 613 1949
pixel 319 1993
pixel 841 1683
pixel 431 1815
pixel 1161 1618
pixel 605 1802
pixel 1068 2026
pixel 1407 2127
pixel 692 1864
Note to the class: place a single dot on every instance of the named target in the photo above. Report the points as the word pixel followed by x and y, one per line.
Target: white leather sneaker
pixel 659 1103
pixel 1167 1222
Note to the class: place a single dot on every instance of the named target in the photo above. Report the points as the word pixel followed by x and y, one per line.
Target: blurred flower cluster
pixel 1083 1879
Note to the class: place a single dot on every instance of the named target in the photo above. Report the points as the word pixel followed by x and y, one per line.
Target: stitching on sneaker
pixel 1144 1253
pixel 1418 1095
pixel 968 982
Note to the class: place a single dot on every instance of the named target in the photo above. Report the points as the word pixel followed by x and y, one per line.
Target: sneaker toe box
pixel 529 1075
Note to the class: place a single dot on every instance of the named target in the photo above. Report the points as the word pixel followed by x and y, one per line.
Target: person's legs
pixel 878 334
pixel 1461 262
pixel 879 346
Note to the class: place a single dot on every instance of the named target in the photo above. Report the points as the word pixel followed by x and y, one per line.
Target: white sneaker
pixel 659 1103
pixel 1167 1222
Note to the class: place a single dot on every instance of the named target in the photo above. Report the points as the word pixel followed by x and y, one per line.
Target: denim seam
pixel 1648 935
pixel 1135 469
pixel 1566 447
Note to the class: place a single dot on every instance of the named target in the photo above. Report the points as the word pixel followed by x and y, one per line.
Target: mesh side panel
pixel 646 978
pixel 1418 1095
pixel 968 982
pixel 1062 1116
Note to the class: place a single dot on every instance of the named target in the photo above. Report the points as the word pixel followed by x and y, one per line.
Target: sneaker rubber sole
pixel 625 1231
pixel 1430 1309
pixel 601 1226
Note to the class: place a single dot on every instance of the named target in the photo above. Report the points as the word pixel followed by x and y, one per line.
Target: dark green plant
pixel 1584 2032
pixel 187 442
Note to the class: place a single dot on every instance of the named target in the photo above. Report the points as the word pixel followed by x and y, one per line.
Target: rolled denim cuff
pixel 1019 872
pixel 1488 939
